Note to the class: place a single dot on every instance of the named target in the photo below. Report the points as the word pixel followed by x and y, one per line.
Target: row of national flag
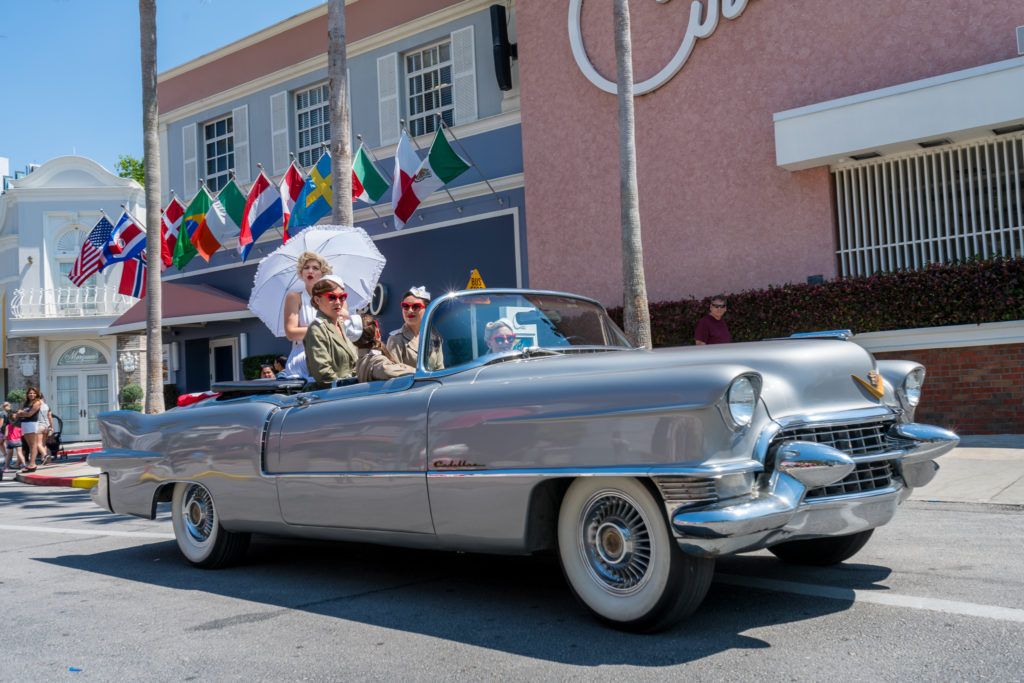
pixel 207 222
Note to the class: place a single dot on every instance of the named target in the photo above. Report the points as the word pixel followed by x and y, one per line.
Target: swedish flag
pixel 315 200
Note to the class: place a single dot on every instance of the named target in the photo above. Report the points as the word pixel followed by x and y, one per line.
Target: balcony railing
pixel 69 302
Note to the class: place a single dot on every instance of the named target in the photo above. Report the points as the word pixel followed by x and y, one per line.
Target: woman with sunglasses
pixel 499 336
pixel 404 344
pixel 329 353
pixel 299 312
pixel 29 415
pixel 375 361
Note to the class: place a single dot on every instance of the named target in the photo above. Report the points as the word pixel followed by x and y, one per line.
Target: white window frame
pixel 427 85
pixel 939 205
pixel 219 177
pixel 231 342
pixel 319 132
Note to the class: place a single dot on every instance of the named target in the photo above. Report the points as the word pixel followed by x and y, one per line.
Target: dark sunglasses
pixel 332 297
pixel 717 305
pixel 412 307
pixel 504 338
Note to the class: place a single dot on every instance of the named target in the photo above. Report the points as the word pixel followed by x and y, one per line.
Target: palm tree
pixel 341 144
pixel 635 313
pixel 151 159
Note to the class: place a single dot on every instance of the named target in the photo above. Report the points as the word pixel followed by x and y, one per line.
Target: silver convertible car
pixel 636 467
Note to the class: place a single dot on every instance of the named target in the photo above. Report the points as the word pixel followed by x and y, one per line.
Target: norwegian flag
pixel 133 276
pixel 91 260
pixel 291 186
pixel 169 226
pixel 127 240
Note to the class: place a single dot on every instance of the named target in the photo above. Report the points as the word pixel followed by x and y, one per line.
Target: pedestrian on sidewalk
pixel 29 416
pixel 10 433
pixel 711 329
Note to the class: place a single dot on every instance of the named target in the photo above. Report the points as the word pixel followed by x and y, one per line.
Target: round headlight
pixel 741 399
pixel 912 387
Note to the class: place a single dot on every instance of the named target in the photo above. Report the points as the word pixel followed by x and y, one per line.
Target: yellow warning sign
pixel 475 281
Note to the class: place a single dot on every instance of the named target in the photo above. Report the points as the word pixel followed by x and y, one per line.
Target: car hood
pixel 799 377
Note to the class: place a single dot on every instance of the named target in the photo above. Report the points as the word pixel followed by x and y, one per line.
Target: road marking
pixel 83 532
pixel 969 609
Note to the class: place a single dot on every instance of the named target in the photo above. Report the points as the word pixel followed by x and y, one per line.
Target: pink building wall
pixel 717 214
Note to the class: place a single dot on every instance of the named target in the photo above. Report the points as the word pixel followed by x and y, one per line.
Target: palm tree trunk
pixel 151 161
pixel 341 143
pixel 635 313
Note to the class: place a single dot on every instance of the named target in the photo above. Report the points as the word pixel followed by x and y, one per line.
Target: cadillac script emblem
pixel 873 383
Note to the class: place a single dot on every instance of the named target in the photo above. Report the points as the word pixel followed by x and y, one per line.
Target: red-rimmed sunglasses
pixel 504 338
pixel 332 297
pixel 415 306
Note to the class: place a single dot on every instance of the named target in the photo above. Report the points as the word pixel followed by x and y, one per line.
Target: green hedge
pixel 970 292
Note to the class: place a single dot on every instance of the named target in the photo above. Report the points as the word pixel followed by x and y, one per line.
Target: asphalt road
pixel 936 595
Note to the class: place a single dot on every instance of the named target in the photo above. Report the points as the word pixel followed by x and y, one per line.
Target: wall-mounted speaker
pixel 504 51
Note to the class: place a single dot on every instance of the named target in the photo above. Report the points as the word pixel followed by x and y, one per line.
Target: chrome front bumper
pixel 781 512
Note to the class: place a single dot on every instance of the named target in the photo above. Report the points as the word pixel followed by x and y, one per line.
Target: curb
pixel 73 482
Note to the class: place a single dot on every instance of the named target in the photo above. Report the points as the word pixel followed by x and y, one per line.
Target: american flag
pixel 90 259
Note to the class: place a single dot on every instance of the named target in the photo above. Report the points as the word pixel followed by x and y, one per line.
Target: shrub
pixel 131 395
pixel 16 397
pixel 969 292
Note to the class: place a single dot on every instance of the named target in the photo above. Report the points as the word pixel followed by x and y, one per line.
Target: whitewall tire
pixel 201 538
pixel 620 558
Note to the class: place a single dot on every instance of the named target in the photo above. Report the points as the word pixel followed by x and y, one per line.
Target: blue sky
pixel 71 80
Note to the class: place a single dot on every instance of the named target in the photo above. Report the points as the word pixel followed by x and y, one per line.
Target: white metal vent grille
pixel 936 206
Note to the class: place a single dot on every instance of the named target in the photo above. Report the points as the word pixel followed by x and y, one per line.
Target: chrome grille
pixel 855 440
pixel 867 476
pixel 687 490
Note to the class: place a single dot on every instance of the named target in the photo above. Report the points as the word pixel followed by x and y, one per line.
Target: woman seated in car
pixel 329 354
pixel 404 343
pixel 498 336
pixel 375 361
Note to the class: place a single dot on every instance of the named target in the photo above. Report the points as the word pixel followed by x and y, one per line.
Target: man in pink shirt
pixel 711 329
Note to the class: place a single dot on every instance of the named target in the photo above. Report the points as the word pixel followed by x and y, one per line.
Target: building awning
pixel 954 107
pixel 183 305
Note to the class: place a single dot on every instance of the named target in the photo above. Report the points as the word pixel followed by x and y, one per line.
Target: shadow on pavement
pixel 519 605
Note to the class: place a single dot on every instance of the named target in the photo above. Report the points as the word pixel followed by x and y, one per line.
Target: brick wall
pixel 972 389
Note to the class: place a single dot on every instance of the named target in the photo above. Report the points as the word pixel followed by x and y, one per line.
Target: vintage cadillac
pixel 637 467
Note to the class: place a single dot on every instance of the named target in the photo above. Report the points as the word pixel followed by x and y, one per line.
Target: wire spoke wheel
pixel 615 542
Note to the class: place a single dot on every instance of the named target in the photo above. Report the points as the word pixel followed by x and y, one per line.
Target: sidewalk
pixel 983 469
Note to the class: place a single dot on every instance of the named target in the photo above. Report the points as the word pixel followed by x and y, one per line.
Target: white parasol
pixel 349 251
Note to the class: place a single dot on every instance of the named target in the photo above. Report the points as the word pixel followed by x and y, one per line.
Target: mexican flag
pixel 367 183
pixel 441 166
pixel 224 219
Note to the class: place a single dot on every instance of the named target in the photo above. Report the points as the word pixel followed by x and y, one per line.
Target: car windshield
pixel 472 325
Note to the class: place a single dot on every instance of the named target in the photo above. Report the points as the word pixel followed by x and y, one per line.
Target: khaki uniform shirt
pixel 405 347
pixel 329 353
pixel 374 365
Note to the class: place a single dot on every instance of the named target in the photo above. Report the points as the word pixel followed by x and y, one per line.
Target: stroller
pixel 54 447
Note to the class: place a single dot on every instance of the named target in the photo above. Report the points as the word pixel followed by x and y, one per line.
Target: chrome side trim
pixel 710 472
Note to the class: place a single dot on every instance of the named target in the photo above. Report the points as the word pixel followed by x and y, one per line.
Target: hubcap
pixel 198 513
pixel 615 543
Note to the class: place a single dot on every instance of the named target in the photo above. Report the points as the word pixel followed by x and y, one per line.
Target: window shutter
pixel 188 161
pixel 240 121
pixel 279 131
pixel 387 98
pixel 464 75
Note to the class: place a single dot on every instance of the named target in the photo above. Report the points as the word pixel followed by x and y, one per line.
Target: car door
pixel 355 457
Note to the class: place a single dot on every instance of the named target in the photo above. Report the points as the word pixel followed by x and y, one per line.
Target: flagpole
pixel 445 186
pixel 445 127
pixel 373 158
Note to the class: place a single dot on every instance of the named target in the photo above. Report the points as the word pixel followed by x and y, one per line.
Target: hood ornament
pixel 873 383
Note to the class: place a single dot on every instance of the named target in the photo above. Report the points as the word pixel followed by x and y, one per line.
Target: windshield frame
pixel 485 359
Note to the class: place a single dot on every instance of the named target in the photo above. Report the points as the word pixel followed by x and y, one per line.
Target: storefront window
pixel 82 355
